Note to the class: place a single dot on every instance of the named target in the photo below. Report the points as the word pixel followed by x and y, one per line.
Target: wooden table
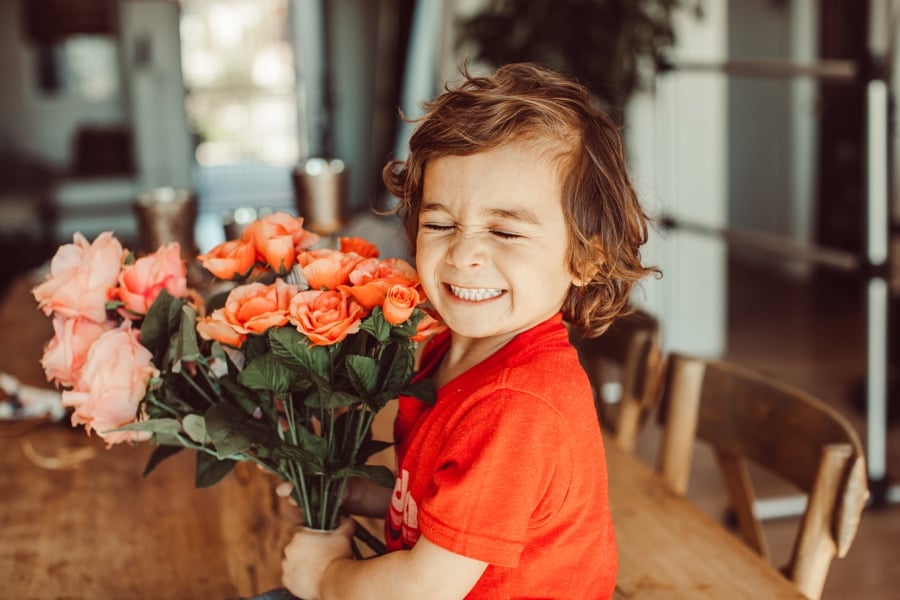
pixel 670 549
pixel 79 521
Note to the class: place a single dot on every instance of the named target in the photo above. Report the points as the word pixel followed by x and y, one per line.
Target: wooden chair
pixel 629 354
pixel 747 417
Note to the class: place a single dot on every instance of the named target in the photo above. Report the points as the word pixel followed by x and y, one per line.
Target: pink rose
pixel 250 308
pixel 65 354
pixel 325 317
pixel 112 384
pixel 81 278
pixel 140 283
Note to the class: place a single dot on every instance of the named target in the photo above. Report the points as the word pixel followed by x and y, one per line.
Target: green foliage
pixel 300 410
pixel 601 43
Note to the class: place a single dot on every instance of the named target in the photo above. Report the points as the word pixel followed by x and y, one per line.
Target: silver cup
pixel 235 221
pixel 320 194
pixel 165 215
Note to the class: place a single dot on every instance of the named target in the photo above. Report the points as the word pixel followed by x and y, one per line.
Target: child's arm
pixel 318 566
pixel 366 498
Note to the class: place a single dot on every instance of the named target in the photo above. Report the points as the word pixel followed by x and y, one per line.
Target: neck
pixel 465 353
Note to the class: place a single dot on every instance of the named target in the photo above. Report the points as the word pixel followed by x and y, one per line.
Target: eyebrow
pixel 525 216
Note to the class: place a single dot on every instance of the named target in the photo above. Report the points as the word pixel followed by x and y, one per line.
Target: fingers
pixel 284 489
pixel 346 527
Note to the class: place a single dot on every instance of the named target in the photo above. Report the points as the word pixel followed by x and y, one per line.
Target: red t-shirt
pixel 508 468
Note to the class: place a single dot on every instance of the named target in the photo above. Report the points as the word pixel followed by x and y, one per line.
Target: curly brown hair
pixel 527 102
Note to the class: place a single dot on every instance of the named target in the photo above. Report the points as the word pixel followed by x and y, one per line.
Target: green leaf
pixel 397 367
pixel 376 325
pixel 267 372
pixel 211 470
pixel 255 346
pixel 363 373
pixel 195 427
pixel 377 473
pixel 160 453
pixel 233 431
pixel 408 328
pixel 245 398
pixel 294 348
pixel 186 346
pixel 370 447
pixel 314 443
pixel 309 462
pixel 167 439
pixel 331 399
pixel 310 452
pixel 422 389
pixel 156 328
pixel 161 426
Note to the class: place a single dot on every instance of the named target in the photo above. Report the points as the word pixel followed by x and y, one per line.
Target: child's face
pixel 492 240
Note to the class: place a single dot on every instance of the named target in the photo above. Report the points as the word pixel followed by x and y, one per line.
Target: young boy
pixel 516 195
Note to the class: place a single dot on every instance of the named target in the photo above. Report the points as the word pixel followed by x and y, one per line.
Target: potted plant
pixel 604 44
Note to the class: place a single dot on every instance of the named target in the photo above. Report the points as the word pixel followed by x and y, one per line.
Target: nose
pixel 466 250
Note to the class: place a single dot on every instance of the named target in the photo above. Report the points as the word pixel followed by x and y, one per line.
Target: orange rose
pixel 372 279
pixel 327 269
pixel 394 269
pixel 216 327
pixel 325 317
pixel 399 304
pixel 112 384
pixel 82 274
pixel 428 327
pixel 277 238
pixel 358 246
pixel 140 283
pixel 251 308
pixel 230 260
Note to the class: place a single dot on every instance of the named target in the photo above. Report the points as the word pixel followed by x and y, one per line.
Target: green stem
pixel 197 388
pixel 299 483
pixel 336 509
pixel 156 402
pixel 296 474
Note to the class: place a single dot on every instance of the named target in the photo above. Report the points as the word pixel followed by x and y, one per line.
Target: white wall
pixel 678 150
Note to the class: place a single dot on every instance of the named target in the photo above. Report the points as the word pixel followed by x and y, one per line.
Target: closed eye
pixel 438 227
pixel 506 235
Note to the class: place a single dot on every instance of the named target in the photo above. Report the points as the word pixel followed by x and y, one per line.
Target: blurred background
pixel 760 133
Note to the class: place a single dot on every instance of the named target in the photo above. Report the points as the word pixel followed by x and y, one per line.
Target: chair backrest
pixel 628 354
pixel 747 417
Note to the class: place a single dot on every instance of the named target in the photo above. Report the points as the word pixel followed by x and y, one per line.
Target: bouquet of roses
pixel 286 369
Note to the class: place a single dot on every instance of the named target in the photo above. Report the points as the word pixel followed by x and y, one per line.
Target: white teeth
pixel 474 295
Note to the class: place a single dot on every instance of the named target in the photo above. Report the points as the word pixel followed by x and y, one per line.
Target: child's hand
pixel 308 555
pixel 284 490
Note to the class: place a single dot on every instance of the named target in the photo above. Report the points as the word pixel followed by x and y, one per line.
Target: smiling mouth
pixel 474 294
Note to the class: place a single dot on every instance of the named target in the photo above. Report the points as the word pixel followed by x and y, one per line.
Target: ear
pixel 585 276
pixel 588 268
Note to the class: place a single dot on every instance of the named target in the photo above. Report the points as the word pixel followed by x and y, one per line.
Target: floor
pixel 812 335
